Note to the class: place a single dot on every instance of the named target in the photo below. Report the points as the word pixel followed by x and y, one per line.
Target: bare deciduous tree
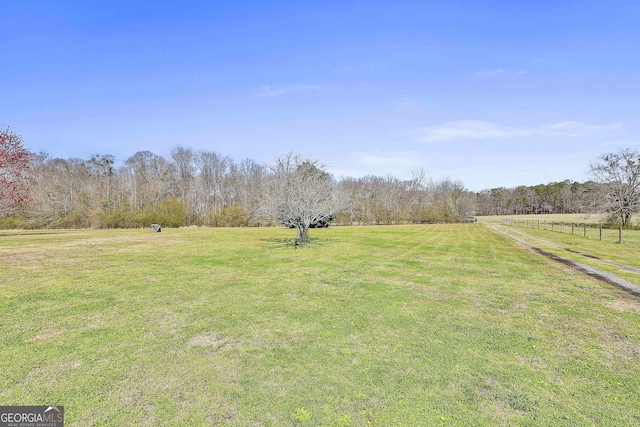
pixel 14 160
pixel 185 162
pixel 620 174
pixel 300 194
pixel 152 179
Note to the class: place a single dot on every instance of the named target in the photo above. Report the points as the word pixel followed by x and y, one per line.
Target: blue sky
pixel 492 93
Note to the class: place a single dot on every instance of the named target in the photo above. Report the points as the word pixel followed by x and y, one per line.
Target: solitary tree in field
pixel 300 194
pixel 14 161
pixel 620 174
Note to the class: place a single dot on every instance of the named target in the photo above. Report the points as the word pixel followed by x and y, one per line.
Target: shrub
pixel 231 216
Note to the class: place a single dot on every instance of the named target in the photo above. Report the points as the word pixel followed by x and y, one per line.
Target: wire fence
pixel 576 228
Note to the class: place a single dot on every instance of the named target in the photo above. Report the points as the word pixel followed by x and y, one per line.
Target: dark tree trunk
pixel 303 234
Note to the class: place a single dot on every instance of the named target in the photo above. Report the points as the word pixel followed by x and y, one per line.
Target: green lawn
pixel 367 326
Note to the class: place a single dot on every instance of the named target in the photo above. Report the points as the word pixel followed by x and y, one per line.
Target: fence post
pixel 572 228
pixel 545 224
pixel 600 231
pixel 561 226
pixel 620 234
pixel 585 229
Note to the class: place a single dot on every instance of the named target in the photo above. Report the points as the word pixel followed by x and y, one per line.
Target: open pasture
pixel 367 326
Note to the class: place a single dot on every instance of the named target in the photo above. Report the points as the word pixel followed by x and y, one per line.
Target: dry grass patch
pixel 209 339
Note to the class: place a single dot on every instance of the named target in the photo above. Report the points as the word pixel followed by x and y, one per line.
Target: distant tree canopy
pixel 614 190
pixel 556 197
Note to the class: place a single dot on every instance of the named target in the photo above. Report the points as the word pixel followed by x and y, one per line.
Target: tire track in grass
pixel 604 276
pixel 606 261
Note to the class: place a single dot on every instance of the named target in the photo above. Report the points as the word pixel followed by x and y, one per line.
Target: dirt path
pixel 587 269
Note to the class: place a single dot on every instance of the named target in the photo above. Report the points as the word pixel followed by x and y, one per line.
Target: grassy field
pixel 368 326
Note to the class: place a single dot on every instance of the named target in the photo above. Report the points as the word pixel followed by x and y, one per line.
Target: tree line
pixel 614 191
pixel 205 188
pixel 556 197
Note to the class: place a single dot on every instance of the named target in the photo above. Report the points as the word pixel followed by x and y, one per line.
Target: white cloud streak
pixel 491 73
pixel 271 91
pixel 498 72
pixel 389 158
pixel 377 162
pixel 475 129
pixel 621 143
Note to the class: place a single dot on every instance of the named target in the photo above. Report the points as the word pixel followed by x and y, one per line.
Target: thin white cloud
pixel 388 158
pixel 476 129
pixel 498 72
pixel 377 162
pixel 271 91
pixel 362 67
pixel 408 104
pixel 468 129
pixel 621 143
pixel 491 73
pixel 572 128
